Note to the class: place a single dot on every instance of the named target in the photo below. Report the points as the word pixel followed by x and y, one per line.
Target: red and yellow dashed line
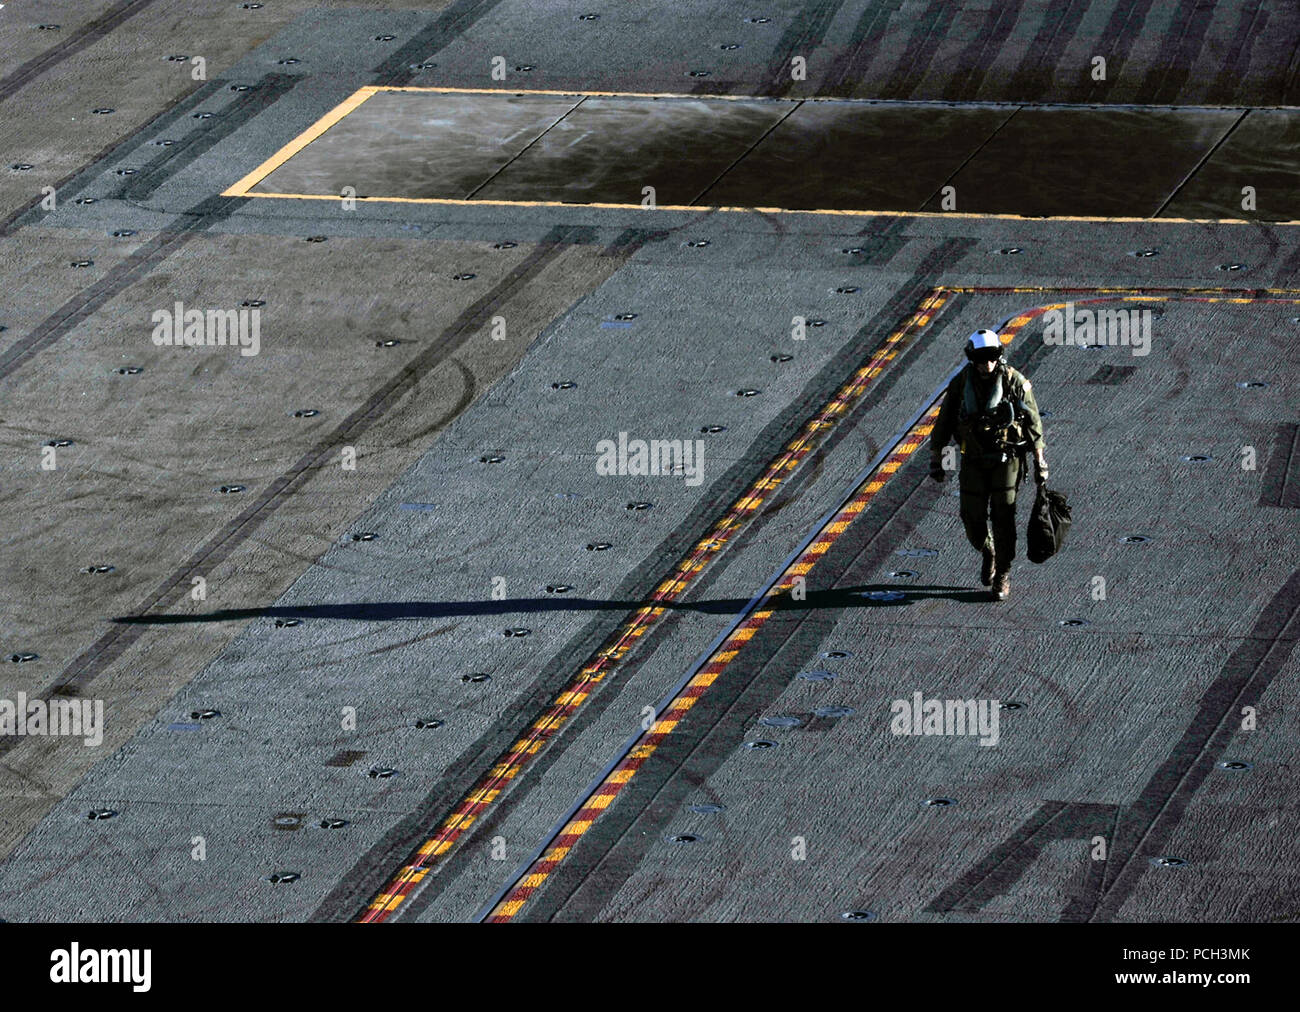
pixel 511 762
pixel 566 703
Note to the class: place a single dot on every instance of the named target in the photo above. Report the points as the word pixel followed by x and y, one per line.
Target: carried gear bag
pixel 1049 522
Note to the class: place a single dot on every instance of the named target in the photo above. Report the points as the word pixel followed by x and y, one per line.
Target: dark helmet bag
pixel 1049 522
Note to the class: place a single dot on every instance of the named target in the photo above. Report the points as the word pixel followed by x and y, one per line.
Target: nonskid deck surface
pixel 470 538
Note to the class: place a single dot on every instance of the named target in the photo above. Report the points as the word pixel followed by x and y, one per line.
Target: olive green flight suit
pixel 989 476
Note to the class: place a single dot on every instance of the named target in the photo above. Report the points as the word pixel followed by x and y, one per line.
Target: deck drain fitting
pixel 96 814
pixel 853 250
pixel 625 316
pixel 1235 764
pixel 476 677
pixel 125 172
pixel 316 238
pixel 525 68
pixel 333 823
pixel 917 553
pixel 381 772
pixel 1145 253
pixel 1010 250
pixel 81 263
pixel 288 820
pixel 638 506
pixel 178 58
pixel 432 724
pixel 230 489
pixel 713 429
pixel 253 303
pixel 130 370
pixel 588 17
pixel 816 676
pixel 558 588
pixel 48 28
pixel 97 569
pixel 463 277
pixel 757 21
pixel 491 459
pixel 201 115
pixel 241 87
pixel 859 916
pixel 385 38
pixel 599 546
pixel 563 385
pixel 938 802
pixel 817 322
pixel 364 536
pixel 760 744
pixel 123 233
pixel 697 243
pixel 833 711
pixel 683 838
pixel 699 73
pixel 1231 267
pixel 747 392
pixel 1252 384
pixel 847 290
pixel 391 342
pixel 204 714
pixel 903 574
pixel 505 244
pixel 781 357
pixel 728 47
pixel 708 808
pixel 1134 539
pixel 515 631
pixel 882 595
pixel 85 200
pixel 1011 704
pixel 288 61
pixel 1196 458
pixel 1168 862
pixel 103 111
pixel 1074 622
pixel 163 142
pixel 283 876
pixel 780 721
pixel 287 623
pixel 306 413
pixel 22 658
pixel 838 655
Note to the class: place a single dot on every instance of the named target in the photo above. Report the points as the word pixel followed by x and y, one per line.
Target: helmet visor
pixel 984 354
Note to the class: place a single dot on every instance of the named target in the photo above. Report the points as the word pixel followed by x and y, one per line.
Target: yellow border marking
pixel 331 118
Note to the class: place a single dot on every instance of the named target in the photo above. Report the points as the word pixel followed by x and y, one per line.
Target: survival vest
pixel 994 428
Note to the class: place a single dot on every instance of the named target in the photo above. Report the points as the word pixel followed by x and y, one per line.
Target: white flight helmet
pixel 981 342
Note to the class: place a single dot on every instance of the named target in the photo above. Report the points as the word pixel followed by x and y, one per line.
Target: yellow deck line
pixel 330 119
pixel 842 212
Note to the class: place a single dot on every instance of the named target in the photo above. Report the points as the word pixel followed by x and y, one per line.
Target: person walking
pixel 990 408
